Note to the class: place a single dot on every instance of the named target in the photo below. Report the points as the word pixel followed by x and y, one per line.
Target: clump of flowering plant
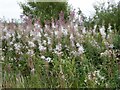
pixel 61 54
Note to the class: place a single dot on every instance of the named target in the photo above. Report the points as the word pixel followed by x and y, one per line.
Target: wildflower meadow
pixel 63 54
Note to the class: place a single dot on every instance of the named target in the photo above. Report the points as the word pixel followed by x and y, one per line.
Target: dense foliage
pixel 45 10
pixel 105 15
pixel 64 55
pixel 72 53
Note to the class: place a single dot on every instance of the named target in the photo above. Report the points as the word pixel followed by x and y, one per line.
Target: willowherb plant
pixel 58 54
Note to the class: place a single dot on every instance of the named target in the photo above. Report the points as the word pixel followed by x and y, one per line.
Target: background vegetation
pixel 105 15
pixel 45 10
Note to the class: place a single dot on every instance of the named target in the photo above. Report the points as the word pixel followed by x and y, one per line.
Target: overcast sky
pixel 10 8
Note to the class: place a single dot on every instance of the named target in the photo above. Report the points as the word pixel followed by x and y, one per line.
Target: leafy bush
pixel 45 11
pixel 105 14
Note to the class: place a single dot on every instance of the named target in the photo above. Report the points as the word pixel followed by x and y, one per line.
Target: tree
pixel 45 10
pixel 107 15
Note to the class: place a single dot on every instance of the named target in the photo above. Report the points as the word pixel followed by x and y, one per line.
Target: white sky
pixel 10 8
